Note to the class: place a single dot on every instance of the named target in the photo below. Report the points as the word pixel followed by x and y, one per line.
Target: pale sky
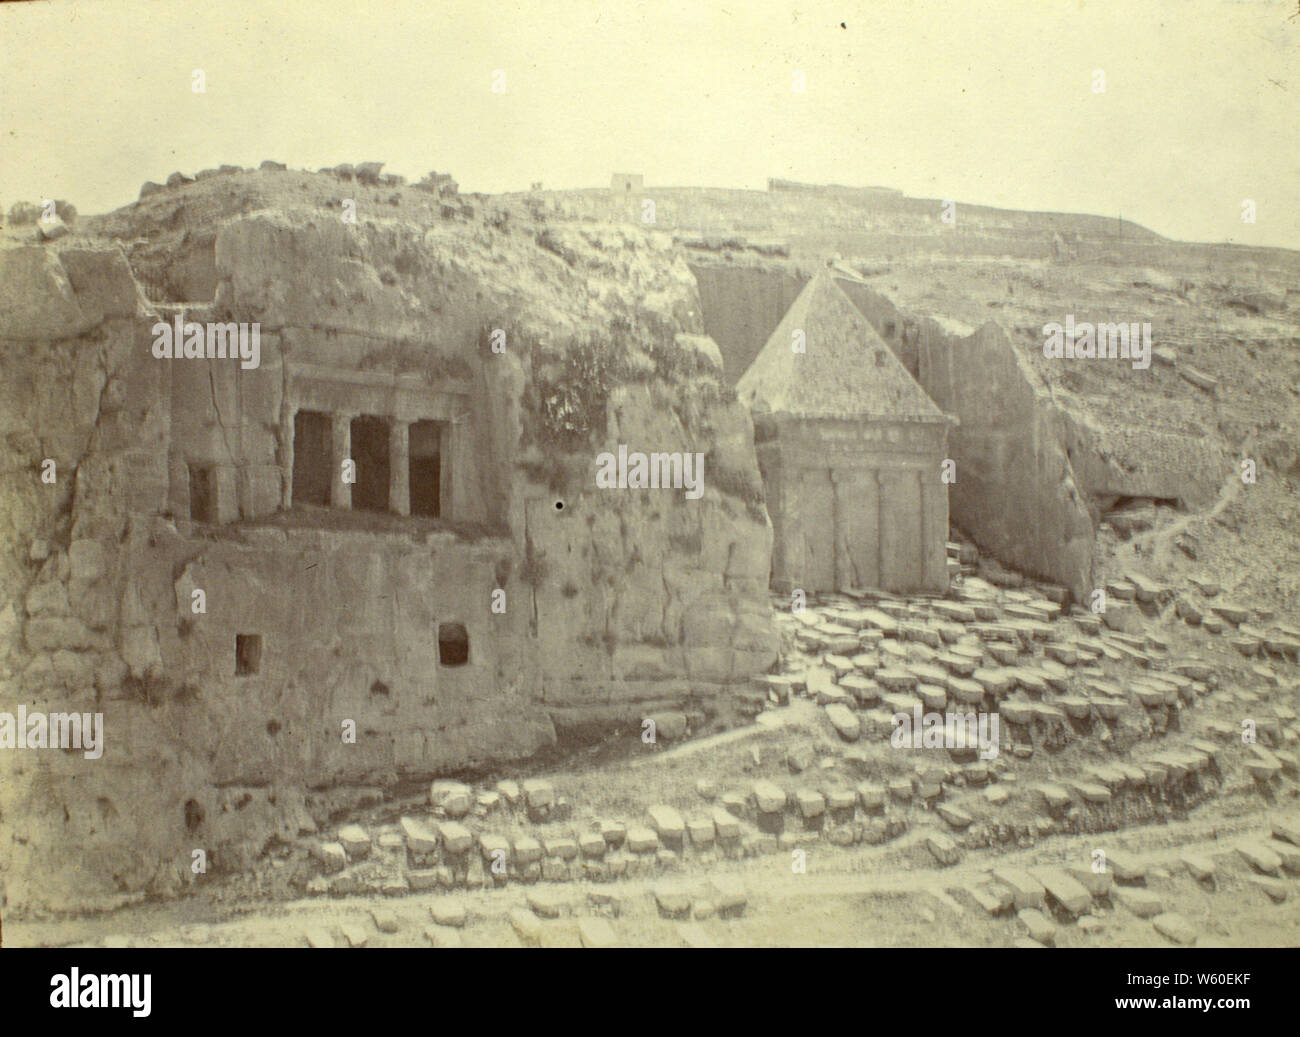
pixel 988 103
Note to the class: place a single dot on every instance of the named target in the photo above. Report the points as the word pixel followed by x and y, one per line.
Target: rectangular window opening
pixel 370 452
pixel 311 458
pixel 248 654
pixel 203 494
pixel 426 467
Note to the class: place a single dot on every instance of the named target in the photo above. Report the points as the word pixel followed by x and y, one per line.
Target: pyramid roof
pixel 846 370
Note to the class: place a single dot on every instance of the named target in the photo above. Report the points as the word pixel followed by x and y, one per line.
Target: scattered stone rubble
pixel 1131 714
pixel 1057 676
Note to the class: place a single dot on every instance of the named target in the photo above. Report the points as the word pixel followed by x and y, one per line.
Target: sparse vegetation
pixel 569 392
pixel 548 240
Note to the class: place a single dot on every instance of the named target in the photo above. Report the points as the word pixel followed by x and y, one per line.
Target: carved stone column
pixel 399 467
pixel 340 451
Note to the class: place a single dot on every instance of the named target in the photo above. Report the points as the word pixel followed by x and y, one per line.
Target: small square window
pixel 453 644
pixel 248 654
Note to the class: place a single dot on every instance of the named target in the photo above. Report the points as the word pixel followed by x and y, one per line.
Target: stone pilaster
pixel 340 450
pixel 399 467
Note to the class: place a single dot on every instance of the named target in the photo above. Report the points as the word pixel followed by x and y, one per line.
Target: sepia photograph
pixel 631 475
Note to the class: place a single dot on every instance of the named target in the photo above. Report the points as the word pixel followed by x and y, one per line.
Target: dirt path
pixel 1158 543
pixel 891 895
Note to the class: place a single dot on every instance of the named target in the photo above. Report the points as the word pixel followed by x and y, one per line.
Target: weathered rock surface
pixel 619 606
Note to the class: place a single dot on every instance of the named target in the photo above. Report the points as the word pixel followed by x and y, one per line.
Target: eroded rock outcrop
pixel 1015 492
pixel 177 476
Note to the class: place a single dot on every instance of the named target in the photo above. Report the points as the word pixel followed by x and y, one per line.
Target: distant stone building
pixel 850 449
pixel 624 183
pixel 778 184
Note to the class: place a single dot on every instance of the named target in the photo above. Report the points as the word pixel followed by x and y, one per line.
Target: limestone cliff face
pixel 619 603
pixel 1015 493
pixel 742 307
pixel 1131 461
pixel 433 285
pixel 80 404
pixel 630 588
pixel 666 596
